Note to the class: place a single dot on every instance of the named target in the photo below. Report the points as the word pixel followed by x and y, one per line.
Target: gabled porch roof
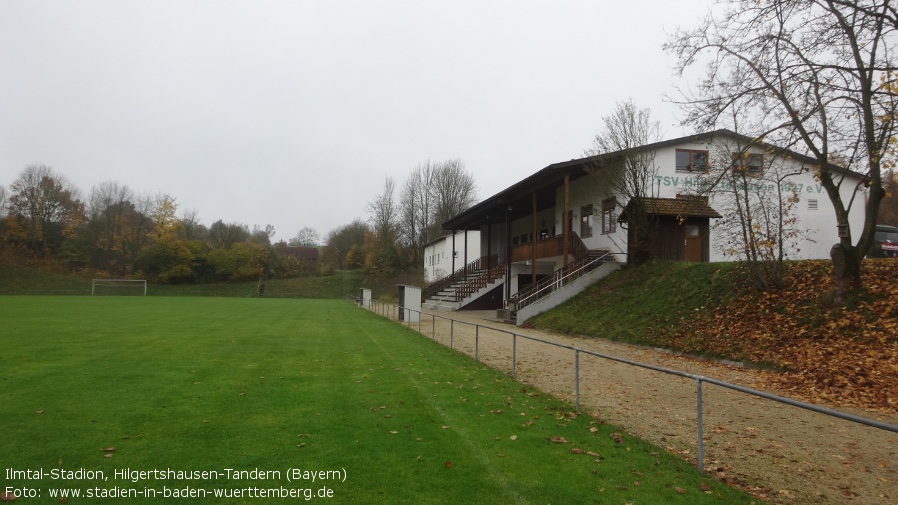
pixel 519 196
pixel 685 207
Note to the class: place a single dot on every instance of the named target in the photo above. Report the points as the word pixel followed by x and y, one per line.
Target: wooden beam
pixel 533 244
pixel 565 223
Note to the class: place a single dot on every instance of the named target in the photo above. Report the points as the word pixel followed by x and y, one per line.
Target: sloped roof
pixel 684 206
pixel 515 201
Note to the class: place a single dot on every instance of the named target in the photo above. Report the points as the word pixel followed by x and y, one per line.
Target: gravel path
pixel 777 452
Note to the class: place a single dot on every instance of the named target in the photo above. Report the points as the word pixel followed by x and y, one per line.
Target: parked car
pixel 886 245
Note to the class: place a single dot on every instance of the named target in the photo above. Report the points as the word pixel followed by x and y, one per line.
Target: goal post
pixel 133 287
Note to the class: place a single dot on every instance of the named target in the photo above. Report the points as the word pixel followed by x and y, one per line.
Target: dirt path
pixel 777 452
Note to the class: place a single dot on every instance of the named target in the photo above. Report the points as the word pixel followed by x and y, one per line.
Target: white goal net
pixel 123 287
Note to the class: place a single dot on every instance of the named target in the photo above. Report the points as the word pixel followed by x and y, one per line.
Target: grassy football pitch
pixel 242 400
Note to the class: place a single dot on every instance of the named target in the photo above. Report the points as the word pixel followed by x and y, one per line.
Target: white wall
pixel 438 255
pixel 817 226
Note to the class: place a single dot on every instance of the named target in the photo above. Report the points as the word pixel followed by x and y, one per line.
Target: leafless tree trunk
pixel 631 174
pixel 432 194
pixel 415 204
pixel 454 191
pixel 384 212
pixel 191 228
pixel 759 225
pixel 108 207
pixel 382 254
pixel 306 237
pixel 816 76
pixel 223 236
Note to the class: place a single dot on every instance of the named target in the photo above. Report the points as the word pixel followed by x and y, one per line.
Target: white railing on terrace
pixel 558 280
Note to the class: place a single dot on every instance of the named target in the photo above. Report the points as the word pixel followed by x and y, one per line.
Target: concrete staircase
pixel 463 288
pixel 446 299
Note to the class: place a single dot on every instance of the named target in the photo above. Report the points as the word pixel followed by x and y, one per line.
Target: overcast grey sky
pixel 292 113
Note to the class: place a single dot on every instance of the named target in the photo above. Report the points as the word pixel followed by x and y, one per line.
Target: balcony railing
pixel 559 279
pixel 460 275
pixel 548 248
pixel 481 281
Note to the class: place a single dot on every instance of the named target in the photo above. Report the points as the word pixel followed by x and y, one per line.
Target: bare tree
pixel 3 206
pixel 384 213
pixel 454 191
pixel 432 194
pixel 816 76
pixel 3 201
pixel 191 228
pixel 224 236
pixel 262 236
pixel 381 252
pixel 416 209
pixel 760 226
pixel 631 172
pixel 109 206
pixel 306 237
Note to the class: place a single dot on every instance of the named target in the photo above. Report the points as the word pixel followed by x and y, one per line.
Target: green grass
pixel 246 383
pixel 640 305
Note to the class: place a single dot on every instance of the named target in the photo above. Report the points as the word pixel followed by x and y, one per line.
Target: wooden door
pixel 693 243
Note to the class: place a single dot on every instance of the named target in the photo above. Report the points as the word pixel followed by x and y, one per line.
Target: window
pixel 609 219
pixel 749 163
pixel 689 160
pixel 586 221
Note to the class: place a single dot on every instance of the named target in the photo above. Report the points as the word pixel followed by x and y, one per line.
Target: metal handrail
pixel 459 275
pixel 559 279
pixel 699 379
pixel 481 281
pixel 580 253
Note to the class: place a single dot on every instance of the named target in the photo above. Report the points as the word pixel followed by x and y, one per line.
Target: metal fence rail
pixel 390 311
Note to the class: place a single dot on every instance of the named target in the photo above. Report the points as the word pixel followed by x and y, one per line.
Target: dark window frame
pixel 586 221
pixel 609 219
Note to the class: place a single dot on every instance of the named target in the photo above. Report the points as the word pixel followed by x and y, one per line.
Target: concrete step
pixel 440 306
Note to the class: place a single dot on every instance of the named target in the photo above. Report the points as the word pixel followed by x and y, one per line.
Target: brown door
pixel 693 243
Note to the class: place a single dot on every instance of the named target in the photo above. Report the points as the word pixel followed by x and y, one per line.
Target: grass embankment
pixel 35 280
pixel 113 383
pixel 838 356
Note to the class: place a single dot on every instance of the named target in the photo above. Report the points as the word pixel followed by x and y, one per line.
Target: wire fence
pixel 447 330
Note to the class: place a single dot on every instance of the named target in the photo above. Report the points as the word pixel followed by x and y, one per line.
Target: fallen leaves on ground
pixel 834 356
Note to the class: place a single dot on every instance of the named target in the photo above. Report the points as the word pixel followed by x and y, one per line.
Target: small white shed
pixel 409 303
pixel 365 298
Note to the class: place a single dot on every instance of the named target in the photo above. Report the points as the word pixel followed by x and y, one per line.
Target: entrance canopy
pixel 682 207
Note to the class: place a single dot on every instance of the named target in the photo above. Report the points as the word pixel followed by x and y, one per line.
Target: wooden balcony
pixel 545 248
